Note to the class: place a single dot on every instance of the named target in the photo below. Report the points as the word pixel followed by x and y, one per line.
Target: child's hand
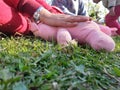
pixel 112 11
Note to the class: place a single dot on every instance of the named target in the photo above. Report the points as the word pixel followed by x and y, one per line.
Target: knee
pixel 63 37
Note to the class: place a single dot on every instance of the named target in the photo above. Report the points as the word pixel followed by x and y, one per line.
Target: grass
pixel 28 63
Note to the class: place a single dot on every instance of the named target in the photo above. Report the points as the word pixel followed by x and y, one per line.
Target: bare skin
pixel 61 20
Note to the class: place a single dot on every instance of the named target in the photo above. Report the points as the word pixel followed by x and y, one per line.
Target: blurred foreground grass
pixel 28 63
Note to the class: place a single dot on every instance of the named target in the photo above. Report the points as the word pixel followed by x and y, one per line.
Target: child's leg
pixel 111 21
pixel 99 40
pixel 89 32
pixel 46 32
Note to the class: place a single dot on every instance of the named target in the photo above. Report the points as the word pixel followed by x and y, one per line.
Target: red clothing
pixel 112 20
pixel 11 15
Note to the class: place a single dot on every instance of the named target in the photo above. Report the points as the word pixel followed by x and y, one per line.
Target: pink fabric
pixel 85 32
pixel 107 30
pixel 111 21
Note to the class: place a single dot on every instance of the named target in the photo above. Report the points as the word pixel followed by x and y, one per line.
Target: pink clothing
pixel 86 32
pixel 12 19
pixel 97 36
pixel 111 21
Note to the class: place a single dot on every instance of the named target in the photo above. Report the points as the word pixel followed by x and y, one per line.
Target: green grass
pixel 28 63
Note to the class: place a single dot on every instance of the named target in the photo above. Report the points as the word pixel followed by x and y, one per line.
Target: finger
pixel 78 19
pixel 65 24
pixel 61 23
pixel 69 24
pixel 70 18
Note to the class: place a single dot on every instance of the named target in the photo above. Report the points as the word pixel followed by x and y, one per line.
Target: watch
pixel 36 15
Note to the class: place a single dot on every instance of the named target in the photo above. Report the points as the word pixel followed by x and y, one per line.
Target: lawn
pixel 29 63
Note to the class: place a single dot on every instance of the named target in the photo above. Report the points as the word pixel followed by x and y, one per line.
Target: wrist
pixel 41 15
pixel 37 15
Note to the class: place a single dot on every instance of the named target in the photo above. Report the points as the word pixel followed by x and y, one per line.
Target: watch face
pixel 36 15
